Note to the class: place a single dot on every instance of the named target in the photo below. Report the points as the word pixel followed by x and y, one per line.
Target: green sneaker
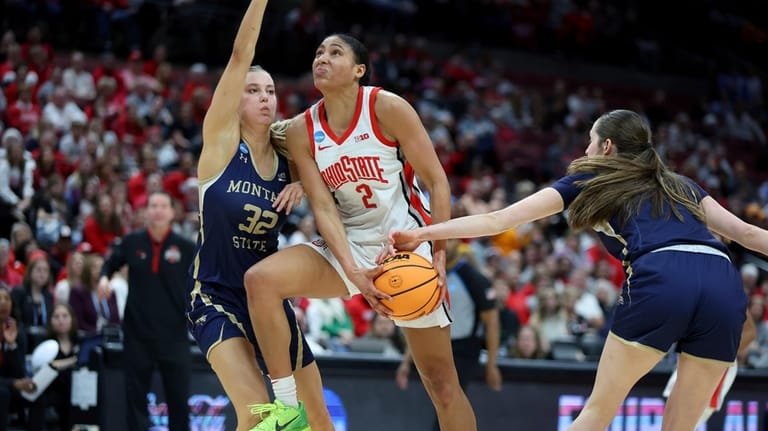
pixel 279 417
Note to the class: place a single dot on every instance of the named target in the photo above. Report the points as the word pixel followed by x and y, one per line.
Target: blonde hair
pixel 277 132
pixel 277 136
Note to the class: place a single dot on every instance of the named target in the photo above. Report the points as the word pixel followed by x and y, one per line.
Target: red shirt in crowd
pixel 10 276
pixel 98 237
pixel 361 314
pixel 517 301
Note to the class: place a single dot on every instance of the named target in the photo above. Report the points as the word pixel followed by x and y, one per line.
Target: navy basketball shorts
pixel 218 313
pixel 693 299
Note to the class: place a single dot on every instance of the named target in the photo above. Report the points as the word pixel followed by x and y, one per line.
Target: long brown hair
pixel 27 279
pixel 623 181
pixel 108 223
pixel 86 277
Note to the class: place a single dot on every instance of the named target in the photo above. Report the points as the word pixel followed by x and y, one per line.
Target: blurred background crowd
pixel 102 103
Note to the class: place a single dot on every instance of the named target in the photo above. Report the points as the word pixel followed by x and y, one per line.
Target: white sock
pixel 285 390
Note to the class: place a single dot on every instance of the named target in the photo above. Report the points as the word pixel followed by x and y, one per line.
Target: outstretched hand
pixel 404 240
pixel 289 197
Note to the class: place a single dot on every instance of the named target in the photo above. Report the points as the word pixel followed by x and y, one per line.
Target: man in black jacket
pixel 154 324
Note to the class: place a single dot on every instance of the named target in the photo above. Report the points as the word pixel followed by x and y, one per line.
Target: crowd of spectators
pixel 88 133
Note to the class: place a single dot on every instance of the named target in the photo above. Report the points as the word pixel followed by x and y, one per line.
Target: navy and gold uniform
pixel 681 285
pixel 238 227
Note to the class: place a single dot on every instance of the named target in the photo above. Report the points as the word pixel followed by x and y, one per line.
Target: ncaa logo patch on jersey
pixel 319 136
pixel 243 148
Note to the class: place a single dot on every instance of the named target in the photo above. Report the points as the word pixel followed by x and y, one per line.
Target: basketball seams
pixel 407 265
pixel 415 287
pixel 420 311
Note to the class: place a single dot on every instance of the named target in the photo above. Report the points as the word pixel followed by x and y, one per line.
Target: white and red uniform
pixel 374 187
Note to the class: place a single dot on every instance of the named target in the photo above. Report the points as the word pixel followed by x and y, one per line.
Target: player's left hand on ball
pixel 289 197
pixel 438 261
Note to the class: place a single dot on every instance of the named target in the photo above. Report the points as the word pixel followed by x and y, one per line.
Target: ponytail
pixel 277 132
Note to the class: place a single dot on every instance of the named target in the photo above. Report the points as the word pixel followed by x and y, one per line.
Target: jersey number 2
pixel 367 193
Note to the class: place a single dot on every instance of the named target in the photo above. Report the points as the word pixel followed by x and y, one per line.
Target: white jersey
pixel 375 191
pixel 374 187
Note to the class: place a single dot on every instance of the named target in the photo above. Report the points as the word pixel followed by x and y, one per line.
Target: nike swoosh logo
pixel 279 427
pixel 324 148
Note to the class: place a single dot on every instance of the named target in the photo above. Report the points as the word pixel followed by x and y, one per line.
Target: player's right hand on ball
pixel 363 279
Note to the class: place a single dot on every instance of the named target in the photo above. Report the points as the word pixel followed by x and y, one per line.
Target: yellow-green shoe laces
pixel 263 410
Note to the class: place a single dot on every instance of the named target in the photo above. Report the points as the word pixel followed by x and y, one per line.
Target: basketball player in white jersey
pixel 358 152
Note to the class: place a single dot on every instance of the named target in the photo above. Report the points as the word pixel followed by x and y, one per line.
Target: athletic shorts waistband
pixel 693 248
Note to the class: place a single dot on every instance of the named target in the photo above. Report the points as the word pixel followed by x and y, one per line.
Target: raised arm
pixel 221 126
pixel 541 204
pixel 725 223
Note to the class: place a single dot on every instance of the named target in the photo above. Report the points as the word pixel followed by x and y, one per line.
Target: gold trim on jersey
pixel 299 346
pixel 256 167
pixel 636 344
pixel 606 229
pixel 206 300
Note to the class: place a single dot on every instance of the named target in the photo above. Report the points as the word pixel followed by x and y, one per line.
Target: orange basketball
pixel 411 281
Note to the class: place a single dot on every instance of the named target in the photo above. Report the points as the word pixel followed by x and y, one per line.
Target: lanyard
pixel 40 319
pixel 102 307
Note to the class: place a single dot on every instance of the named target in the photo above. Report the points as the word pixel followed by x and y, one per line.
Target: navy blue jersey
pixel 238 225
pixel 643 232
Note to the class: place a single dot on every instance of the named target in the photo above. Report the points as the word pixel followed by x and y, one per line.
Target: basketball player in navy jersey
pixel 681 285
pixel 358 151
pixel 244 188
